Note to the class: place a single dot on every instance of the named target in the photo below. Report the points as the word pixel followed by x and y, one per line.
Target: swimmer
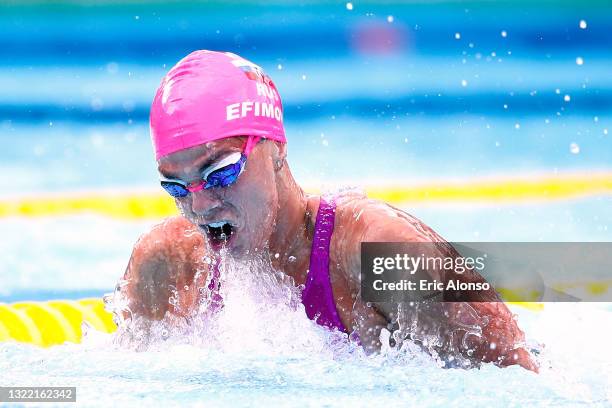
pixel 216 125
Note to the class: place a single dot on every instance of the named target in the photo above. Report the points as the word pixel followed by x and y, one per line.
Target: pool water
pixel 312 367
pixel 469 93
pixel 59 257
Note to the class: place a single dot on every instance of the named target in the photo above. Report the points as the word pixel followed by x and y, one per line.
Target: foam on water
pixel 260 348
pixel 256 310
pixel 578 370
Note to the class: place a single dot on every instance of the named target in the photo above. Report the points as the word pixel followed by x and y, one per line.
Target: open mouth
pixel 219 233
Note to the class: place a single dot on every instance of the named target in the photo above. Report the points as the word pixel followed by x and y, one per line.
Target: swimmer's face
pixel 240 216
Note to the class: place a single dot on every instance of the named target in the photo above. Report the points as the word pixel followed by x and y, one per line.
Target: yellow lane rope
pixel 131 206
pixel 56 322
pixel 52 322
pixel 544 188
pixel 159 205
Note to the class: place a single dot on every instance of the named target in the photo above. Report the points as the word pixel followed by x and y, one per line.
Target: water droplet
pixel 574 148
pixel 504 33
pixel 579 61
pixel 567 98
pixel 186 287
pixel 112 68
pixel 583 24
pixel 97 104
pixel 464 83
pixel 303 77
pixel 276 255
pixel 292 258
pixel 390 19
pixel 493 346
pixel 349 6
pixel 605 131
pixel 517 125
pixel 457 36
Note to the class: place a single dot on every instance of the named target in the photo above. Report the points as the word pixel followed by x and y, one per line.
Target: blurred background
pixel 489 120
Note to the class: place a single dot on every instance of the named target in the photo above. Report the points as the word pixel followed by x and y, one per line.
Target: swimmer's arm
pixel 163 265
pixel 502 340
pixel 501 330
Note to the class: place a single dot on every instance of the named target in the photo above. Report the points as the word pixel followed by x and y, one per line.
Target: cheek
pixel 184 207
pixel 260 209
pixel 259 203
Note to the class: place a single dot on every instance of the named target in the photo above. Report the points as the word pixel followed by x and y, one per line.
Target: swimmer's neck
pixel 291 237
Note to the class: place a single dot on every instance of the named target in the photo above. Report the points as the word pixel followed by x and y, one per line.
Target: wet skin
pixel 270 212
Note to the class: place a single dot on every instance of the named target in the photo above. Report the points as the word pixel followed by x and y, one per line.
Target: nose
pixel 203 201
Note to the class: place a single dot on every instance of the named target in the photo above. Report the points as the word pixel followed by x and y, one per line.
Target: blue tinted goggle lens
pixel 174 189
pixel 225 176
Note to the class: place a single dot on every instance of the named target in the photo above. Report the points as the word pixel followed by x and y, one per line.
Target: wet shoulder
pixel 359 218
pixel 362 219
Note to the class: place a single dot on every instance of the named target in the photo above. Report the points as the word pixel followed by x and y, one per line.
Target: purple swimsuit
pixel 317 297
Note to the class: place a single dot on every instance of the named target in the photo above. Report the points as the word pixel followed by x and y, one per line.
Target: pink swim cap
pixel 211 95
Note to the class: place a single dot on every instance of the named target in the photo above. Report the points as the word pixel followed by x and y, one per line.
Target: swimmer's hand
pixel 502 340
pixel 165 271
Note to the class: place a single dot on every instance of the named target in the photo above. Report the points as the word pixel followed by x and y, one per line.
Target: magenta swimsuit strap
pixel 317 297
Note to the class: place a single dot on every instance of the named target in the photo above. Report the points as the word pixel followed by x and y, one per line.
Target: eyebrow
pixel 207 163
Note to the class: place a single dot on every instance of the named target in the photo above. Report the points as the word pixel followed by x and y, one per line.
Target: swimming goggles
pixel 222 174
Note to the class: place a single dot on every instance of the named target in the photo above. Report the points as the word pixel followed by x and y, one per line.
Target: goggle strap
pixel 251 142
pixel 197 187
